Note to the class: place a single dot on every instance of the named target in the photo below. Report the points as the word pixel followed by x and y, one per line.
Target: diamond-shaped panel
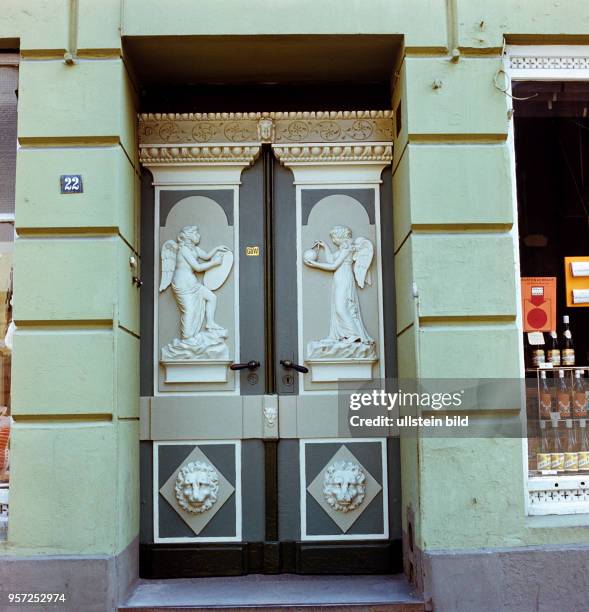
pixel 344 520
pixel 197 521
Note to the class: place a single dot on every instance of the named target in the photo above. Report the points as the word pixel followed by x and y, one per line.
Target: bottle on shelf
pixel 537 355
pixel 583 445
pixel 546 397
pixel 571 457
pixel 557 453
pixel 543 460
pixel 553 351
pixel 563 396
pixel 579 396
pixel 567 351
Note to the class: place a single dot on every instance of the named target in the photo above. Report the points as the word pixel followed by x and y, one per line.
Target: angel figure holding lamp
pixel 349 263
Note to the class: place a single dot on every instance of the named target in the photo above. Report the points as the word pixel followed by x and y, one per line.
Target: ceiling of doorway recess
pixel 198 60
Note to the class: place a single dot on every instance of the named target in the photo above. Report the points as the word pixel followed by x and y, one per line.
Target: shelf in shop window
pixel 556 368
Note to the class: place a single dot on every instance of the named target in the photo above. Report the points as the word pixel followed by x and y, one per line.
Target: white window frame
pixel 561 494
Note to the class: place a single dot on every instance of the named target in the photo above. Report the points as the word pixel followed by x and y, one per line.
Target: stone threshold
pixel 276 592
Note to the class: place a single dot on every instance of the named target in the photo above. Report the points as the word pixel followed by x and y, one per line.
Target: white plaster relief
pixel 181 260
pixel 344 485
pixel 350 265
pixel 197 487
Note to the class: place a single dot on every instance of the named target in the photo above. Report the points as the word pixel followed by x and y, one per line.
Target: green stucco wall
pixel 75 469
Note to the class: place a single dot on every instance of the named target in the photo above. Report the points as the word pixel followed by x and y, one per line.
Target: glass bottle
pixel 553 352
pixel 579 396
pixel 557 454
pixel 571 457
pixel 583 445
pixel 543 460
pixel 567 351
pixel 563 396
pixel 546 399
pixel 537 355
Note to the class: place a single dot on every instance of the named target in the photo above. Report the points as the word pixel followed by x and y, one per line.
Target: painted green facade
pixel 74 482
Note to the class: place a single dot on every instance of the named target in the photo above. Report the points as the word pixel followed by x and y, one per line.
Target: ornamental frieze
pixel 277 128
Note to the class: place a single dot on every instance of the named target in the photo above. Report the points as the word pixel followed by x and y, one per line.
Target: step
pixel 276 592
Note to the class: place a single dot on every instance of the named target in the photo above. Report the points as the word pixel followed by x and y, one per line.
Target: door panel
pixel 242 474
pixel 252 279
pixel 212 212
pixel 285 279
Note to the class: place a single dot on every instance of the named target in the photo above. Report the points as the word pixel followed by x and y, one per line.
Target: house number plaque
pixel 252 251
pixel 71 183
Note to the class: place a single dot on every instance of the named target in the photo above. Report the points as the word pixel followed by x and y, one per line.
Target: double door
pixel 268 286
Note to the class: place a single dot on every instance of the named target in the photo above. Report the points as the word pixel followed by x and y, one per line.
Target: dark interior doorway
pixel 269 73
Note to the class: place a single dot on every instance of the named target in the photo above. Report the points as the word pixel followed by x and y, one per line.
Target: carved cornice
pixel 548 62
pixel 367 153
pixel 199 156
pixel 275 127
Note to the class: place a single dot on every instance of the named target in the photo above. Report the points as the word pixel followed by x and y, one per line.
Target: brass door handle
pixel 250 365
pixel 288 364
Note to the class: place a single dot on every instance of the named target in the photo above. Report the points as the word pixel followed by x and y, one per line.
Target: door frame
pixel 210 151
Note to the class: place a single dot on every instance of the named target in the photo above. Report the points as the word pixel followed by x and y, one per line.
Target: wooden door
pixel 268 281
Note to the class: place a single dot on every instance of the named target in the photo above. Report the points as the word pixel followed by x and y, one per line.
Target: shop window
pixel 8 108
pixel 551 135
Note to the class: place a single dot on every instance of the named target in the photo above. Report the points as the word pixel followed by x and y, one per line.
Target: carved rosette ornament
pixel 344 485
pixel 197 487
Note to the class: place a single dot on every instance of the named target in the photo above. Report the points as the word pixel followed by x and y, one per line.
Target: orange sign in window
pixel 539 303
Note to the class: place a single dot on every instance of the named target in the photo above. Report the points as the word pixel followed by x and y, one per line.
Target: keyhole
pixel 252 379
pixel 288 380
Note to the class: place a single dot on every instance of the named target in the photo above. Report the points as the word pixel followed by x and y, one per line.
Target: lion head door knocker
pixel 197 487
pixel 344 485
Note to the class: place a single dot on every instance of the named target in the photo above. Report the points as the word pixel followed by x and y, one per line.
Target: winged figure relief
pixel 181 260
pixel 350 264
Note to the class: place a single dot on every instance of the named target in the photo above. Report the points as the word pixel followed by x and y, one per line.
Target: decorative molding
pixel 196 490
pixel 334 153
pixel 270 416
pixel 201 338
pixel 335 370
pixel 566 494
pixel 275 127
pixel 548 62
pixel 344 485
pixel 164 155
pixel 343 488
pixel 348 340
pixel 197 487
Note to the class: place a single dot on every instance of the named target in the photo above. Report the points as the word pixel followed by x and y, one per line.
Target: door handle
pixel 250 365
pixel 288 364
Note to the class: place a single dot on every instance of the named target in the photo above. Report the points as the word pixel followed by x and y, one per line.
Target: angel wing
pixel 363 254
pixel 169 250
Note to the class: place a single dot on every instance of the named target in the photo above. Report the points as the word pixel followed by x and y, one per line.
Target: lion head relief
pixel 344 485
pixel 197 486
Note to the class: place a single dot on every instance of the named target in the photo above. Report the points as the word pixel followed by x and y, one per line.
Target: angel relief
pixel 350 264
pixel 181 260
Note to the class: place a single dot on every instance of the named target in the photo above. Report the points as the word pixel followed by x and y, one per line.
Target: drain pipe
pixel 69 57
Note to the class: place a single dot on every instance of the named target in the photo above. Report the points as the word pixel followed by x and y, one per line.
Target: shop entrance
pixel 268 282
